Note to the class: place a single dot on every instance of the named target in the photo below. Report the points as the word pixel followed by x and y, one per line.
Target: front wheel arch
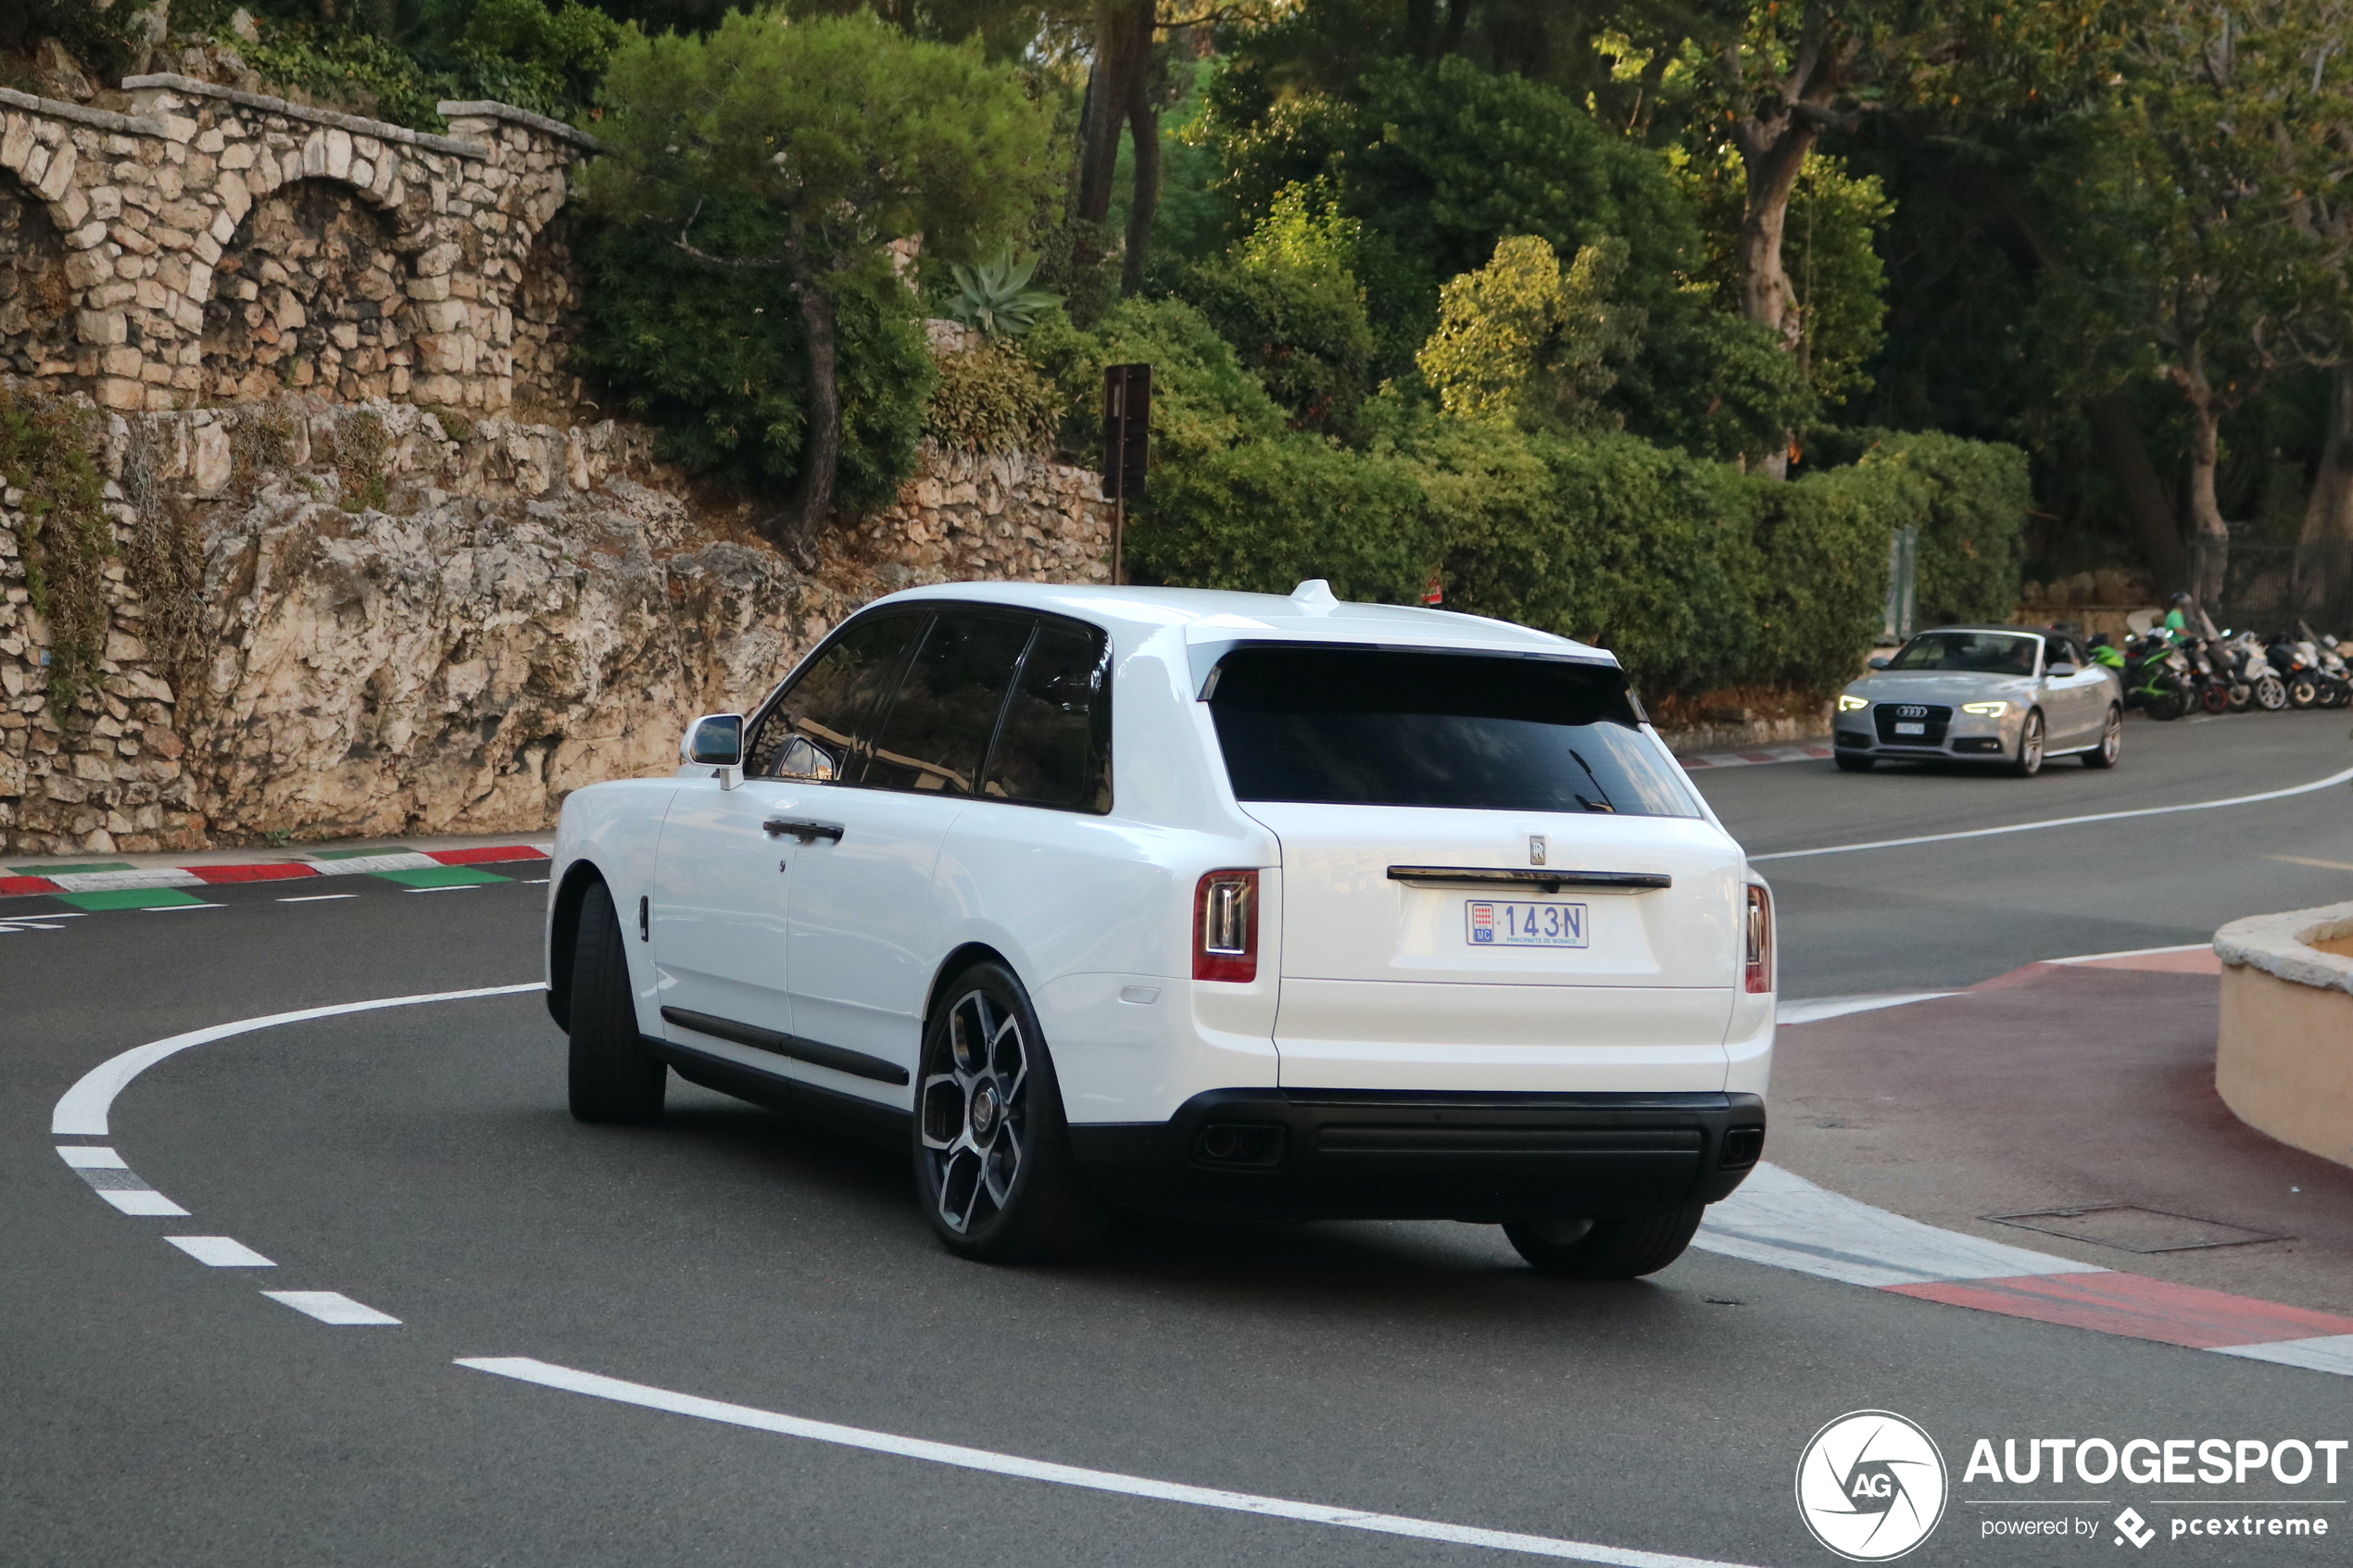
pixel 564 934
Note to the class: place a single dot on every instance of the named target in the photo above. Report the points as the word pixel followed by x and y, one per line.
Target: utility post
pixel 1127 424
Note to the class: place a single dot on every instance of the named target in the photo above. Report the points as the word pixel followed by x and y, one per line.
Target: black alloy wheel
pixel 992 1158
pixel 612 1078
pixel 1620 1249
pixel 2028 760
pixel 2111 745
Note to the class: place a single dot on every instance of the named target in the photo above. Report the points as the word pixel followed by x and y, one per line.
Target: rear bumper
pixel 1405 1154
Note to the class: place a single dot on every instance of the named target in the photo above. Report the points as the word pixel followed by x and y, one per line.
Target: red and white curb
pixel 1786 1222
pixel 268 871
pixel 1758 758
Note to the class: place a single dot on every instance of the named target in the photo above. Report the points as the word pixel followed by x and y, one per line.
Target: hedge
pixel 1696 574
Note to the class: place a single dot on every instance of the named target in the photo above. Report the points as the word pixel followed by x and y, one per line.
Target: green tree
pixel 855 136
pixel 1527 340
pixel 1286 296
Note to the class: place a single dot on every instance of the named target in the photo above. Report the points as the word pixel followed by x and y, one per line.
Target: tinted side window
pixel 830 709
pixel 940 724
pixel 1054 748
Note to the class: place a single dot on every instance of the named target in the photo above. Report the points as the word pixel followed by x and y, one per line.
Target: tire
pixel 2215 698
pixel 2271 694
pixel 1623 1249
pixel 2239 697
pixel 2028 760
pixel 1852 764
pixel 991 1149
pixel 2111 745
pixel 2303 691
pixel 2168 705
pixel 612 1078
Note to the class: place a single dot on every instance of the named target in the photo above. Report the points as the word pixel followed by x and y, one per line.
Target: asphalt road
pixel 418 1160
pixel 1935 916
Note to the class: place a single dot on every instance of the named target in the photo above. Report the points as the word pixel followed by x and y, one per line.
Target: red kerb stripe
pixel 2136 1306
pixel 277 873
pixel 12 886
pixel 485 857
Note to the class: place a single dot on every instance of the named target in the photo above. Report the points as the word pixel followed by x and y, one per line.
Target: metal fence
pixel 2266 586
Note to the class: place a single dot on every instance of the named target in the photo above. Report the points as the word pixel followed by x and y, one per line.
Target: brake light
pixel 1760 939
pixel 1225 926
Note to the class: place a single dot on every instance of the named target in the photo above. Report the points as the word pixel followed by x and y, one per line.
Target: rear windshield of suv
pixel 1372 727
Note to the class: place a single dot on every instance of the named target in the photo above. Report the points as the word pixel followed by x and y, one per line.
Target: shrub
pixel 713 355
pixel 991 400
pixel 1288 300
pixel 1971 513
pixel 1203 401
pixel 1267 514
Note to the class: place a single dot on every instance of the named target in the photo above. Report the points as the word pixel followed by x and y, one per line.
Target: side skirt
pixel 883 1126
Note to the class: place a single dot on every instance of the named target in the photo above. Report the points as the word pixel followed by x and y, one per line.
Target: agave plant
pixel 994 296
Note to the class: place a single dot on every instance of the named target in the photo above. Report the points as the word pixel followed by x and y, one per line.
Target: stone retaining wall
pixel 217 244
pixel 2283 1059
pixel 394 621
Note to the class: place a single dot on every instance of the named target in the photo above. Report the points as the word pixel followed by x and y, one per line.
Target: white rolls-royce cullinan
pixel 1160 898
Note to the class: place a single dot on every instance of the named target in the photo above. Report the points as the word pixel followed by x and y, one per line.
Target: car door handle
pixel 802 828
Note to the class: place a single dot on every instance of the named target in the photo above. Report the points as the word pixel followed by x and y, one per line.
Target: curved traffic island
pixel 2283 1059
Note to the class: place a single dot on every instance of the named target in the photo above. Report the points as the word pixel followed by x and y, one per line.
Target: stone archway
pixel 36 294
pixel 544 312
pixel 310 292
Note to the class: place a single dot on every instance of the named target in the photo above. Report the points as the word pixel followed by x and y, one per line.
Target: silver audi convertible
pixel 1983 693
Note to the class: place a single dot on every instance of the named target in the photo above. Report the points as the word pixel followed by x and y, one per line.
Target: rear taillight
pixel 1225 926
pixel 1760 939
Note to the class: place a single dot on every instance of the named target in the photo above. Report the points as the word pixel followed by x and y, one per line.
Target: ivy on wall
pixel 49 451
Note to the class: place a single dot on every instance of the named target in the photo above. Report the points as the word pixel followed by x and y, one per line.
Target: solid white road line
pixel 2134 953
pixel 1785 1220
pixel 1823 1007
pixel 81 1111
pixel 90 1158
pixel 332 1306
pixel 2065 821
pixel 220 1252
pixel 2330 1353
pixel 526 1370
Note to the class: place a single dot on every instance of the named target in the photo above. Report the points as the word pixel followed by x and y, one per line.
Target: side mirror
pixel 716 740
pixel 804 758
pixel 2061 668
pixel 1879 661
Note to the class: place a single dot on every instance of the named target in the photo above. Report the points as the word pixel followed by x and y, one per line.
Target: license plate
pixel 1911 729
pixel 1495 924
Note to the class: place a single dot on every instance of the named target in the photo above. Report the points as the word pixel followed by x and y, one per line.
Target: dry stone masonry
pixel 412 620
pixel 220 244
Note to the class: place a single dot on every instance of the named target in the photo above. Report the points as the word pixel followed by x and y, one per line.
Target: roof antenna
pixel 1314 594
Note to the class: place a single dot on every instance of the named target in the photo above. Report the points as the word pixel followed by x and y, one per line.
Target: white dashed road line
pixel 548 1375
pixel 2066 822
pixel 111 1179
pixel 334 1307
pixel 317 897
pixel 220 1252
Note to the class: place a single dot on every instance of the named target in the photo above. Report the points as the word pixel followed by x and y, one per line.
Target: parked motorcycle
pixel 2210 687
pixel 2155 675
pixel 2252 681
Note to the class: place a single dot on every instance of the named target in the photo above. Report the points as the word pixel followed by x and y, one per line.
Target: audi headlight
pixel 1986 710
pixel 1852 704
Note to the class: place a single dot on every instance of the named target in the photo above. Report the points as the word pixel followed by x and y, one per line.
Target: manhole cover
pixel 2131 1228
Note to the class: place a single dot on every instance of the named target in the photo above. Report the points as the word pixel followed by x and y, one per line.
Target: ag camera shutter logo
pixel 1871 1485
